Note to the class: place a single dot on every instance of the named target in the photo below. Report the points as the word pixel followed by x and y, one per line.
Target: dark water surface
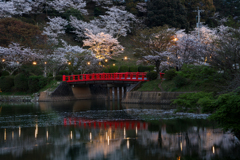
pixel 89 130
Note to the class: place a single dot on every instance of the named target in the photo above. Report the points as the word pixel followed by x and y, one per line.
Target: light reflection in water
pixel 47 135
pixel 147 142
pixel 19 132
pixel 36 131
pixel 5 134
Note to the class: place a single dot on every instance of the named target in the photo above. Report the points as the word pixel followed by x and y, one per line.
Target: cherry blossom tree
pixel 15 55
pixel 103 2
pixel 117 22
pixel 153 45
pixel 7 9
pixel 102 45
pixel 55 27
pixel 81 27
pixel 63 5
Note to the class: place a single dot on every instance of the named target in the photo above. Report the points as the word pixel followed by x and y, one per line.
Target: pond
pixel 100 129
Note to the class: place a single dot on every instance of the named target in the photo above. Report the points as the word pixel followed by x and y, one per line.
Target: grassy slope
pixel 169 86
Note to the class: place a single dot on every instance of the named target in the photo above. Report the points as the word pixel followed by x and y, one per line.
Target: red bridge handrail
pixel 127 76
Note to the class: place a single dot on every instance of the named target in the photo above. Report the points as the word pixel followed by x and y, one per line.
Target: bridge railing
pixel 127 76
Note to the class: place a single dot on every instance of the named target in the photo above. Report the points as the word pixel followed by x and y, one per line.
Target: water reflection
pixel 84 131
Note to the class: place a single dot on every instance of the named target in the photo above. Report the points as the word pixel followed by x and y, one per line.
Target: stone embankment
pixel 6 98
pixel 151 97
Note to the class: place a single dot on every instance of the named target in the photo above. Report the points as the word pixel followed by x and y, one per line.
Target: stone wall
pixel 151 97
pixel 5 98
pixel 62 93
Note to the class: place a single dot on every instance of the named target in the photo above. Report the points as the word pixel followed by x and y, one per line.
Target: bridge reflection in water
pixel 52 132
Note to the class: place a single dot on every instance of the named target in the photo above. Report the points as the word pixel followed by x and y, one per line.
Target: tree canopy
pixel 13 30
pixel 166 12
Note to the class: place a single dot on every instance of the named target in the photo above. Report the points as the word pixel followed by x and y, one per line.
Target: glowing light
pixel 175 39
pixel 47 135
pixel 69 63
pixel 36 131
pixel 179 158
pixel 3 60
pixel 124 132
pixel 125 58
pixel 45 62
pixel 5 134
pixel 213 149
pixel 106 60
pixel 90 136
pixel 17 62
pixel 108 140
pixel 113 64
pixel 34 63
pixel 71 135
pixel 19 131
pixel 128 144
pixel 181 146
pixel 136 130
pixel 12 135
pixel 88 63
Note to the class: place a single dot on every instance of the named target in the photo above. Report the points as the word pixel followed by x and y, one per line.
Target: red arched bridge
pixel 127 76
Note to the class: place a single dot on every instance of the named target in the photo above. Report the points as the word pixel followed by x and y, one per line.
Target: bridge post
pixel 113 96
pixel 122 92
pixel 118 93
pixel 108 94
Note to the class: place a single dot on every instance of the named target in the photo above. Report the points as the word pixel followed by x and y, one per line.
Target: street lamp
pixel 3 60
pixel 175 39
pixel 106 60
pixel 34 63
pixel 125 58
pixel 69 63
pixel 88 63
pixel 113 64
pixel 45 62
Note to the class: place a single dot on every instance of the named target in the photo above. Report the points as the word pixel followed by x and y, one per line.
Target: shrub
pixel 152 75
pixel 58 78
pixel 21 82
pixel 105 70
pixel 6 83
pixel 42 81
pixel 133 69
pixel 124 69
pixel 179 81
pixel 195 72
pixel 113 69
pixel 170 74
pixel 4 73
pixel 49 79
pixel 64 72
pixel 143 68
pixel 32 69
pixel 227 114
pixel 35 83
pixel 191 102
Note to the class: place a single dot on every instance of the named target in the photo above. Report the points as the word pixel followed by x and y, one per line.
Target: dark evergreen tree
pixel 191 7
pixel 170 12
pixel 228 8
